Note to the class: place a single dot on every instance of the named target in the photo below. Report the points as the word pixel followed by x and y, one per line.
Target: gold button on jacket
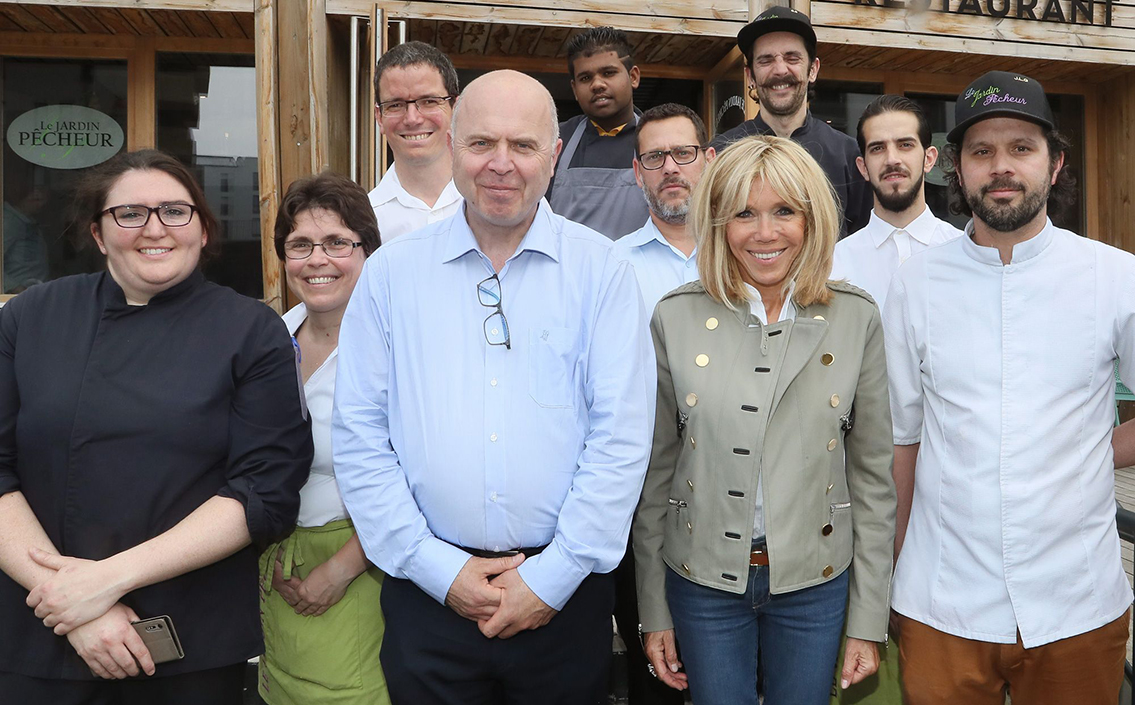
pixel 769 412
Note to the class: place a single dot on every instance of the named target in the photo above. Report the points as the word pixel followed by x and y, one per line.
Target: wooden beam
pixel 316 21
pixel 530 64
pixel 267 128
pixel 1092 167
pixel 141 76
pixel 207 5
pixel 727 10
pixel 729 63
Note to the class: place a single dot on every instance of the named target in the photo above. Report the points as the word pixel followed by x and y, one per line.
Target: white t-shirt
pixel 869 258
pixel 320 502
pixel 399 213
pixel 1005 375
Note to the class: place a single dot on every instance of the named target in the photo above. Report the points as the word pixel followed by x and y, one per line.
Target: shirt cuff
pixel 552 575
pixel 435 566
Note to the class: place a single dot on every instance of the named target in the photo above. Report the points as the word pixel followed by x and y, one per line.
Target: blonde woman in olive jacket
pixel 769 507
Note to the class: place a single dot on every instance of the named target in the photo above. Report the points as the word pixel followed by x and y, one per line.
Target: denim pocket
pixel 551 367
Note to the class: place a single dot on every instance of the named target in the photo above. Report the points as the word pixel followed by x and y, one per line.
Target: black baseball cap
pixel 1000 94
pixel 777 19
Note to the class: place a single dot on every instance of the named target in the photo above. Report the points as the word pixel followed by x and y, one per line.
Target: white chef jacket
pixel 869 258
pixel 1005 374
pixel 399 213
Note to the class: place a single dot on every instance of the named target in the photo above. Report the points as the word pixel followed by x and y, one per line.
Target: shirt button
pixel 493 438
pixel 493 381
pixel 493 497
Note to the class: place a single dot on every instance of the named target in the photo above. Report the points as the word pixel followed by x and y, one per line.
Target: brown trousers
pixel 941 669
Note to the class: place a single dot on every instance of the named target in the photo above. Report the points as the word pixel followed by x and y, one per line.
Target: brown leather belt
pixel 759 555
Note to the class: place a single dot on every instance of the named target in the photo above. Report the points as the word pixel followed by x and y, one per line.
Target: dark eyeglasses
pixel 431 104
pixel 496 325
pixel 174 215
pixel 680 155
pixel 335 247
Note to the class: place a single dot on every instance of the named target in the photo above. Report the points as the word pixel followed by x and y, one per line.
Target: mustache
pixel 674 181
pixel 1002 183
pixel 783 79
pixel 894 170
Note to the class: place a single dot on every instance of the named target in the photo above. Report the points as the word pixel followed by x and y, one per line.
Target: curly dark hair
pixel 1061 197
pixel 596 41
pixel 332 192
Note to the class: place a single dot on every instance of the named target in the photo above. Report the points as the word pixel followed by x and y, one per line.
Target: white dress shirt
pixel 320 502
pixel 442 440
pixel 659 267
pixel 399 213
pixel 1005 374
pixel 869 258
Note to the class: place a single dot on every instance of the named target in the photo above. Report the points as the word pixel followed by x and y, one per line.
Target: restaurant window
pixel 59 117
pixel 841 103
pixel 206 117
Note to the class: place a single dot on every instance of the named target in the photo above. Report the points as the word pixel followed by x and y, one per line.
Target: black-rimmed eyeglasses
pixel 496 325
pixel 336 247
pixel 430 104
pixel 681 156
pixel 173 215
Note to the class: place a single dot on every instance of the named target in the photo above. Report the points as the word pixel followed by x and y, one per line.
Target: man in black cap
pixel 779 47
pixel 1001 347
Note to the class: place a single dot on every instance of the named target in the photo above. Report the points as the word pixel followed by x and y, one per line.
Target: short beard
pixel 1006 219
pixel 793 106
pixel 667 213
pixel 900 201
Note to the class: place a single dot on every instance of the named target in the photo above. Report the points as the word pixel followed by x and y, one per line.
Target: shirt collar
pixel 757 305
pixel 117 296
pixel 390 188
pixel 543 235
pixel 613 132
pixel 295 317
pixel 650 233
pixel 921 228
pixel 1022 251
pixel 764 129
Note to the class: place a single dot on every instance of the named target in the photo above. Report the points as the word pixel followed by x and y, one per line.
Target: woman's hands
pixel 79 592
pixel 324 586
pixel 860 659
pixel 662 653
pixel 109 645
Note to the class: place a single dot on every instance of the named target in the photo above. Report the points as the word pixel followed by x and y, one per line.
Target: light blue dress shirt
pixel 659 266
pixel 442 440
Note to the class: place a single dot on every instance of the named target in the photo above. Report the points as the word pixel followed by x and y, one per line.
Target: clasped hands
pixel 490 592
pixel 80 601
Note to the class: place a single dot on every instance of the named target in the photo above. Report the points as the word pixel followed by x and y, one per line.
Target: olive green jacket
pixel 805 402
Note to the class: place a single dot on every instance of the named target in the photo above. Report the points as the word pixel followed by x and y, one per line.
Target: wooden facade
pixel 314 57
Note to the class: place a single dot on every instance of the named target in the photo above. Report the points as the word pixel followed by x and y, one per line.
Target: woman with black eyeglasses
pixel 151 431
pixel 319 596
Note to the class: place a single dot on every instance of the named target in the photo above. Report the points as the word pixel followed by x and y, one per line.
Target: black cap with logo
pixel 1000 94
pixel 777 19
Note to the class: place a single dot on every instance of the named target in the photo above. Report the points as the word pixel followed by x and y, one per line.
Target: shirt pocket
pixel 551 363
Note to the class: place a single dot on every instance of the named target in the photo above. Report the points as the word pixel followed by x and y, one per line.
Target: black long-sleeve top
pixel 834 151
pixel 118 421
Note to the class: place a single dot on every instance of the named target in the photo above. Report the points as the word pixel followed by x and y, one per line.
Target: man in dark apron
pixel 594 182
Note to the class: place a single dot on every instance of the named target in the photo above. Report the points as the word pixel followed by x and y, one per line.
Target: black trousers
pixel 433 656
pixel 642 688
pixel 216 686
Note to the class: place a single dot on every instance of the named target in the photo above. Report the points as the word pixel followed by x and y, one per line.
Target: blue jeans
pixel 795 635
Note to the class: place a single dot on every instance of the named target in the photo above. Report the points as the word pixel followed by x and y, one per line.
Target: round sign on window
pixel 65 136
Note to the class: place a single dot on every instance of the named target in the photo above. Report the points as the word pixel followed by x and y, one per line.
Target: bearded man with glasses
pixel 493 423
pixel 414 89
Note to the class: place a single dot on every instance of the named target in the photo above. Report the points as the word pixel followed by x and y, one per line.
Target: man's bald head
pixel 508 90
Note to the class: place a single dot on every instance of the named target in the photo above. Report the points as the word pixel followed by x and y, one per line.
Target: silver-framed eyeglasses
pixel 681 156
pixel 335 247
pixel 173 215
pixel 496 325
pixel 429 104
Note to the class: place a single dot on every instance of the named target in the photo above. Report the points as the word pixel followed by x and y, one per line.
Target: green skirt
pixel 331 659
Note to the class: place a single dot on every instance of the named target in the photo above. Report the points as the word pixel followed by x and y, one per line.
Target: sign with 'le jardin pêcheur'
pixel 65 136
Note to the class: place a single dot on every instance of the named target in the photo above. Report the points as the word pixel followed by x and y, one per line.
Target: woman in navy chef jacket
pixel 151 430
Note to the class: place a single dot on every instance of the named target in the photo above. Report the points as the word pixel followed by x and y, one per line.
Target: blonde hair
pixel 723 192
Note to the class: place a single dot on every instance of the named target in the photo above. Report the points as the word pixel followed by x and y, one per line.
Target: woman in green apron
pixel 319 595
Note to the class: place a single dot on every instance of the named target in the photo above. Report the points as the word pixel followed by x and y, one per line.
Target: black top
pixel 595 150
pixel 836 154
pixel 117 421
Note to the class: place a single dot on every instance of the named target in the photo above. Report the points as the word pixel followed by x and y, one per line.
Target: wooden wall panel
pixel 1116 107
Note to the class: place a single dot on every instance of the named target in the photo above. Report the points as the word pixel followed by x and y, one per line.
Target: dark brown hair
pixel 334 193
pixel 90 198
pixel 597 40
pixel 667 111
pixel 1061 196
pixel 417 54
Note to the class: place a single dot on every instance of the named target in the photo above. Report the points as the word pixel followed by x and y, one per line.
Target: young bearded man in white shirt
pixel 1000 352
pixel 894 138
pixel 415 86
